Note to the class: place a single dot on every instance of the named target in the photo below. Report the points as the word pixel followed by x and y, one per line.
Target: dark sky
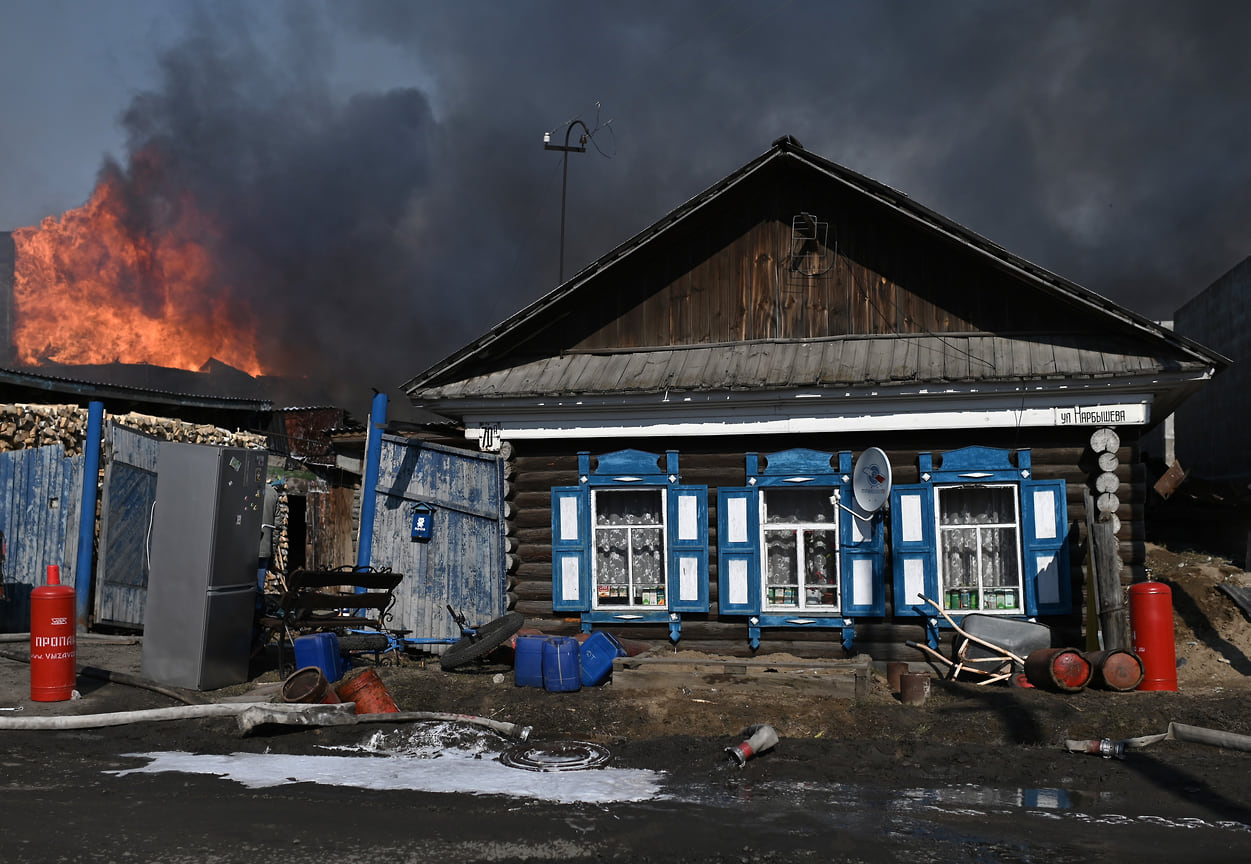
pixel 378 165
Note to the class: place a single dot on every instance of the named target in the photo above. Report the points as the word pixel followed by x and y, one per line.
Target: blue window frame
pixel 793 548
pixel 980 534
pixel 629 542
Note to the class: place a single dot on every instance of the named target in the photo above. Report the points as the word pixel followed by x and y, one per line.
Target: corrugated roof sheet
pixel 766 365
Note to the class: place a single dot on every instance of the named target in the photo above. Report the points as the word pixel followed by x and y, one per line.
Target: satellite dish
pixel 870 480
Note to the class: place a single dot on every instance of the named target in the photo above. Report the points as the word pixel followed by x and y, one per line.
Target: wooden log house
pixel 682 419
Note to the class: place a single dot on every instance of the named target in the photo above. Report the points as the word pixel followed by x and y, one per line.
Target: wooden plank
pixel 1018 356
pixel 904 359
pixel 982 356
pixel 694 368
pixel 654 374
pixel 1068 360
pixel 762 300
pixel 851 363
pixel 778 370
pixel 955 360
pixel 585 373
pixel 806 364
pixel 1042 357
pixel 880 356
pixel 559 372
pixel 837 679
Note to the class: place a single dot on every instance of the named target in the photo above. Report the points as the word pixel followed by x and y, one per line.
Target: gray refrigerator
pixel 202 564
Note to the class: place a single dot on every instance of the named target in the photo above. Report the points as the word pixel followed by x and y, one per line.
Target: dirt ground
pixel 1213 647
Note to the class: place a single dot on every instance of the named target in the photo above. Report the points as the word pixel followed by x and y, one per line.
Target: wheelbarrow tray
pixel 1011 634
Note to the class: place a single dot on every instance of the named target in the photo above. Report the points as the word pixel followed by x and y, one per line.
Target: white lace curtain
pixel 622 537
pixel 964 547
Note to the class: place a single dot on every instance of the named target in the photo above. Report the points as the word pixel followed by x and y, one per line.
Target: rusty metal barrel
pixel 914 688
pixel 1115 669
pixel 1062 669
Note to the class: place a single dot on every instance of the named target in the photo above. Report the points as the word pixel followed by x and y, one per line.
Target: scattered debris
pixel 760 738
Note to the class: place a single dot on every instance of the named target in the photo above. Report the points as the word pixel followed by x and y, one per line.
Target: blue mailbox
pixel 423 522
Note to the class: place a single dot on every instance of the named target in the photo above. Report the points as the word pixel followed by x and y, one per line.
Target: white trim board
pixel 599 422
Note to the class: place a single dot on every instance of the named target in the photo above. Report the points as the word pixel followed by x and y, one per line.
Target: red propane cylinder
pixel 1151 622
pixel 52 646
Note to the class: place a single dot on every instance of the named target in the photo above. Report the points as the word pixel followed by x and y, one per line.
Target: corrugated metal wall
pixel 463 562
pixel 121 588
pixel 40 501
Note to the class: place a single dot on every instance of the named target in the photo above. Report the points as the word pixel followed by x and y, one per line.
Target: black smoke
pixel 377 230
pixel 314 205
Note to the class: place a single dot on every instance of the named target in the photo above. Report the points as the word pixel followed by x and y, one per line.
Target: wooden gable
pixel 792 255
pixel 796 272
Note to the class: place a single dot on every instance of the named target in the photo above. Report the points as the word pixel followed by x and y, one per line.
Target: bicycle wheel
pixel 490 635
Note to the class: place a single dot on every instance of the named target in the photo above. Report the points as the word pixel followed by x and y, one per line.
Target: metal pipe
pixel 369 500
pixel 566 150
pixel 87 514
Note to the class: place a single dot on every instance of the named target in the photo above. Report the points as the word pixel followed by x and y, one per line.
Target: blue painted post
pixel 87 513
pixel 373 453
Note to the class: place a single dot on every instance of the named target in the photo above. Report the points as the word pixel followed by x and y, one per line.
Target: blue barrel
pixel 562 670
pixel 528 661
pixel 598 652
pixel 320 650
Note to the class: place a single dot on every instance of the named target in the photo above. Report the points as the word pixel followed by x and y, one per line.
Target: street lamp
pixel 566 149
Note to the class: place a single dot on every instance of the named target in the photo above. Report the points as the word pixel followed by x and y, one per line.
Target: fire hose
pixel 1108 748
pixel 251 715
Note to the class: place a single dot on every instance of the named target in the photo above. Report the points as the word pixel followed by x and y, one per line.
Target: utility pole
pixel 566 149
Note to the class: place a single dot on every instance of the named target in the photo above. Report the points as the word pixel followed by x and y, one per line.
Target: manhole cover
pixel 555 756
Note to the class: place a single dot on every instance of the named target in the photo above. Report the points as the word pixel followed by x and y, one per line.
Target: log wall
pixel 533 468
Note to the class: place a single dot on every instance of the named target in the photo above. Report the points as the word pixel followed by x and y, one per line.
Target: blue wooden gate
pixel 40 502
pixel 121 587
pixel 462 562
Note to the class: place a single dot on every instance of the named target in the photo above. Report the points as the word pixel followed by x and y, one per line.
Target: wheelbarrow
pixel 989 646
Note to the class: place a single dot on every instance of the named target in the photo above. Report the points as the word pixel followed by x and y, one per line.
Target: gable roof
pixel 493 367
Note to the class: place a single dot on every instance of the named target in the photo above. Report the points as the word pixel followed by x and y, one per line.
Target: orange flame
pixel 88 288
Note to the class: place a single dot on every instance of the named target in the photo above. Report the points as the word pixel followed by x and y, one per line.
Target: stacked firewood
pixel 168 429
pixel 25 426
pixel 278 567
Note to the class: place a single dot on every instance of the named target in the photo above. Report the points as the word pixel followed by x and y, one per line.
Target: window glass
pixel 979 540
pixel 629 547
pixel 800 548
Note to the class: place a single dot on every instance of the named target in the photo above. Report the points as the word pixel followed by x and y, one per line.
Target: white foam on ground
pixel 451 771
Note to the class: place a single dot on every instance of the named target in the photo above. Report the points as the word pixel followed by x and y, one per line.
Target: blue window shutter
pixel 738 551
pixel 1044 542
pixel 913 548
pixel 687 525
pixel 861 559
pixel 571 549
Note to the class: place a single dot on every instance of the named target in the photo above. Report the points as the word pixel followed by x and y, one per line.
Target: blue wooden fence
pixel 462 563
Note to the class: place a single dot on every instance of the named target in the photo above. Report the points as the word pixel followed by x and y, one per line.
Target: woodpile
pixel 24 426
pixel 168 429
